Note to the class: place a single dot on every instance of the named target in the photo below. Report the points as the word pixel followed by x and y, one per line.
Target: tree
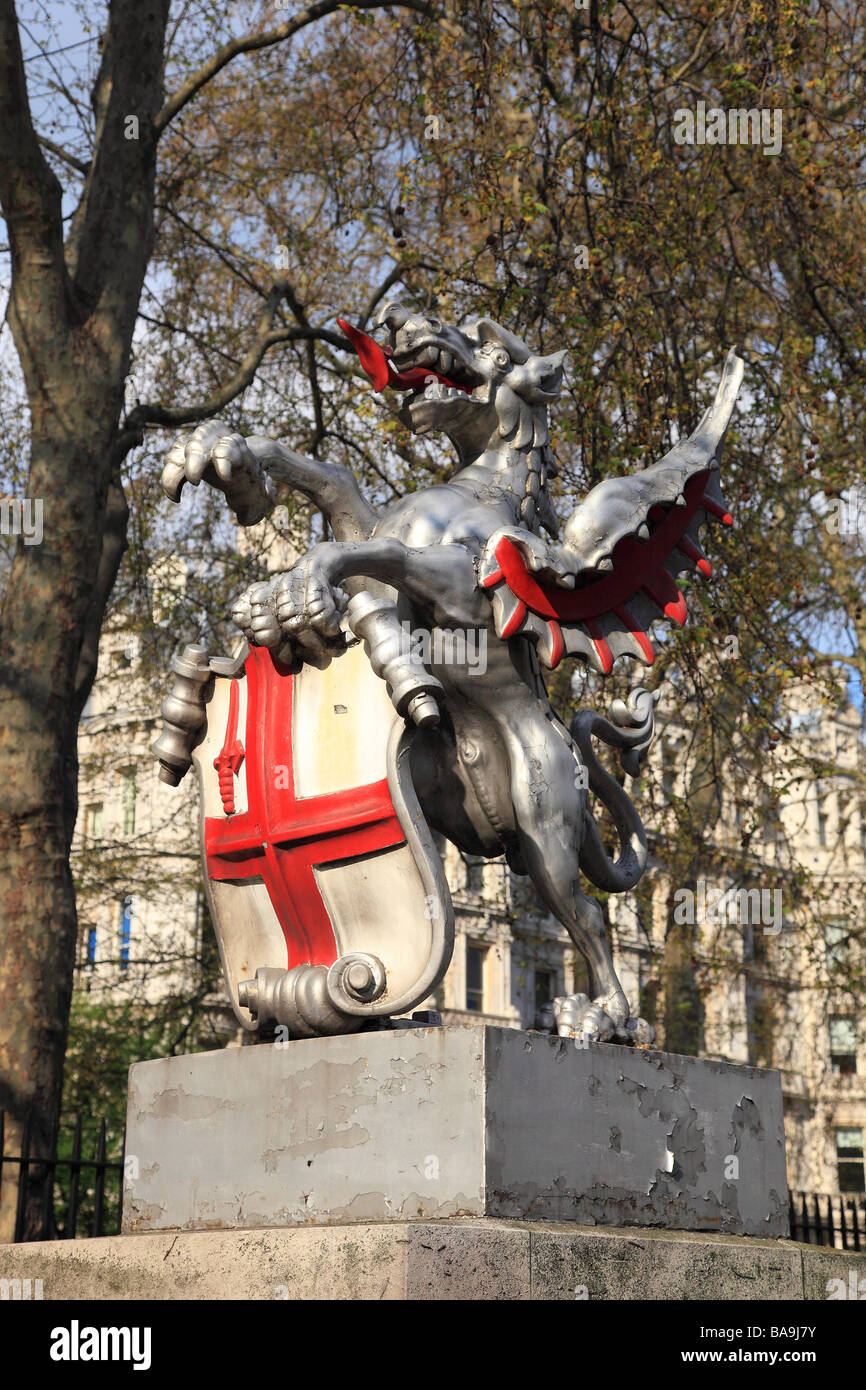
pixel 73 308
pixel 518 160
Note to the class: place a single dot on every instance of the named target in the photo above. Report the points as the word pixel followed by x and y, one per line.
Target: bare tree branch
pixel 111 236
pixel 393 279
pixel 114 543
pixel 63 154
pixel 250 43
pixel 30 194
pixel 266 337
pixel 219 252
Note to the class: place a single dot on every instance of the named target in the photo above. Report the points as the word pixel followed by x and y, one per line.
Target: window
pixel 669 762
pixel 474 874
pixel 123 657
pixel 836 943
pixel 87 938
pixel 545 988
pixel 849 1160
pixel 807 720
pixel 475 962
pixel 843 1045
pixel 125 930
pixel 581 982
pixel 822 822
pixel 93 821
pixel 127 799
pixel 772 827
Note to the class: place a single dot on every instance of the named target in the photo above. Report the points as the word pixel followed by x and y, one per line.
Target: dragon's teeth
pixel 438 391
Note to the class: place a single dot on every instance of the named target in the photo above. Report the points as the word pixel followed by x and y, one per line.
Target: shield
pixel 315 850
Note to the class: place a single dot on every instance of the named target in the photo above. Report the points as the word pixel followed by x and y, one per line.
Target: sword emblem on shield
pixel 325 887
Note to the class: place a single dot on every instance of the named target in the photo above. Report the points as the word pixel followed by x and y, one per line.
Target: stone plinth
pixel 471 1258
pixel 442 1123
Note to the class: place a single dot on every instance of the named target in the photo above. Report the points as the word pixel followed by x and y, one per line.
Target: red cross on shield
pixel 314 842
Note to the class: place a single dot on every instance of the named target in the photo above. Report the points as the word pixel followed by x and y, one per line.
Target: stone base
pixel 439 1123
pixel 466 1259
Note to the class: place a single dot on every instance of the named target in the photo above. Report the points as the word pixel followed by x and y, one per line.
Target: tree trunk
pixel 50 600
pixel 72 311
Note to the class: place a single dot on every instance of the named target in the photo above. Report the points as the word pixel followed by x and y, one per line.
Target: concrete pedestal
pixel 445 1123
pixel 470 1258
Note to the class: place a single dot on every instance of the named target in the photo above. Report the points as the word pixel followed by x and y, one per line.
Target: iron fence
pixel 76 1195
pixel 841 1224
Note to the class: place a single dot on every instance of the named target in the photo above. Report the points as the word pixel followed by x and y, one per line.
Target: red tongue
pixel 371 356
pixel 383 373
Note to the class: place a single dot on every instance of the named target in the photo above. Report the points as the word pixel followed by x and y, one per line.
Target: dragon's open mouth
pixel 429 370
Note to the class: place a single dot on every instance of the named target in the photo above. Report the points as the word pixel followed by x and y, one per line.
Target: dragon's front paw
pixel 306 601
pixel 596 1020
pixel 214 454
pixel 299 609
pixel 254 612
pixel 577 1016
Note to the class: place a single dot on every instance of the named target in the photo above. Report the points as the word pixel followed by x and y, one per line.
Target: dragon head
pixel 480 385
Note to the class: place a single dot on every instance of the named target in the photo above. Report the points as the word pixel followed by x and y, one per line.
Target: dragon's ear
pixel 539 379
pixel 486 331
pixel 392 315
pixel 550 370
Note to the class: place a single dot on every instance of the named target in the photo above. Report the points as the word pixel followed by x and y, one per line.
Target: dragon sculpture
pixel 496 770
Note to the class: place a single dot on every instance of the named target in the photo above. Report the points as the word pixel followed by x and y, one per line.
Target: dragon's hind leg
pixel 549 805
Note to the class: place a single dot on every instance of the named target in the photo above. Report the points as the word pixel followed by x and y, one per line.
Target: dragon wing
pixel 623 548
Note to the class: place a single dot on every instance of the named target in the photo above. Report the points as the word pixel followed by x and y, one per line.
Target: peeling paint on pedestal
pixel 436 1124
pixel 648 1143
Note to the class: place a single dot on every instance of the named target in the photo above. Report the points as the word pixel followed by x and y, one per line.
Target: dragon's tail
pixel 631 732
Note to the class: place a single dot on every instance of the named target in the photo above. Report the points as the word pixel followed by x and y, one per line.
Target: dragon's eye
pixel 499 355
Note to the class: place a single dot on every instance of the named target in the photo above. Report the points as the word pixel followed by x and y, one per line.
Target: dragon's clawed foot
pixel 597 1020
pixel 213 454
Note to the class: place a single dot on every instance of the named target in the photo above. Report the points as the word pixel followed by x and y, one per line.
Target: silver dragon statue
pixel 482 558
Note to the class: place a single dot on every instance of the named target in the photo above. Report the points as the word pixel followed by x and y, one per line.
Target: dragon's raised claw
pixel 215 455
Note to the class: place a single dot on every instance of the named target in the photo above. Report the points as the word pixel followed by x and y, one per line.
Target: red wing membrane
pixel 625 545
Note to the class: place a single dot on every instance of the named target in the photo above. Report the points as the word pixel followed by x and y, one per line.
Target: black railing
pixel 74 1195
pixel 841 1224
